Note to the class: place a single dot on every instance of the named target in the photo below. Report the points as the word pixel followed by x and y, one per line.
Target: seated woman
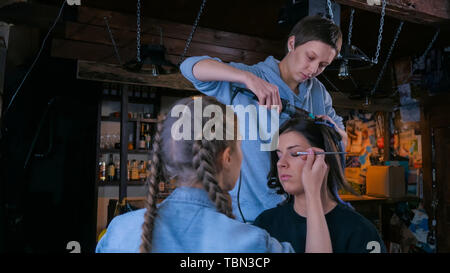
pixel 311 191
pixel 197 216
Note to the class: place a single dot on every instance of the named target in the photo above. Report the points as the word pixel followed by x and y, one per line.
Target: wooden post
pixel 387 135
pixel 123 143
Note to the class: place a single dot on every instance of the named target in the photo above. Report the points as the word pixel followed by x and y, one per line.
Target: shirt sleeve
pixel 329 110
pixel 273 246
pixel 365 239
pixel 219 89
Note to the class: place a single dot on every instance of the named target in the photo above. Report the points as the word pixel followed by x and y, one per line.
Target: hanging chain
pixel 421 60
pixel 330 10
pixel 350 27
pixel 112 40
pixel 191 35
pixel 380 32
pixel 399 29
pixel 138 31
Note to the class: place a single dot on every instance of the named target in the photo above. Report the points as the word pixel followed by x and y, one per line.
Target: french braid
pixel 152 195
pixel 204 162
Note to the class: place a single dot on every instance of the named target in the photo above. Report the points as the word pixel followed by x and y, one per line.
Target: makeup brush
pixel 320 153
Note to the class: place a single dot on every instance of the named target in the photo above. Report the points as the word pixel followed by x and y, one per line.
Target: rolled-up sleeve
pixel 218 89
pixel 273 246
pixel 329 110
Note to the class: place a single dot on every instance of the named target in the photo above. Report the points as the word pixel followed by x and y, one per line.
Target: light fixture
pixel 149 58
pixel 152 61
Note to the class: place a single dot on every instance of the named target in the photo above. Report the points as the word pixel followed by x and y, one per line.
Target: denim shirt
pixel 187 221
pixel 254 194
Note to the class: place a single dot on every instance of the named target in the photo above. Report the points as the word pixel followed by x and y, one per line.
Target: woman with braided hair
pixel 310 183
pixel 197 216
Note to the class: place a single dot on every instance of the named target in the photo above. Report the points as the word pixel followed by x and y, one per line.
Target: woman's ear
pixel 226 157
pixel 291 43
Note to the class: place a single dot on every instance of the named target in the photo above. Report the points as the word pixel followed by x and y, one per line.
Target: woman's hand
pixel 267 93
pixel 314 172
pixel 314 175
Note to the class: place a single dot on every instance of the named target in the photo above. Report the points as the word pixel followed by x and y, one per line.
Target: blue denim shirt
pixel 188 221
pixel 255 196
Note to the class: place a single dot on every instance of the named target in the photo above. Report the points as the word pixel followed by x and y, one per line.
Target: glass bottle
pixel 111 169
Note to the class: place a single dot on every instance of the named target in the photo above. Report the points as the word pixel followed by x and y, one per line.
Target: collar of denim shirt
pixel 190 195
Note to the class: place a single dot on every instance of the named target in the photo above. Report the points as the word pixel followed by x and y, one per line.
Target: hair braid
pixel 153 189
pixel 204 163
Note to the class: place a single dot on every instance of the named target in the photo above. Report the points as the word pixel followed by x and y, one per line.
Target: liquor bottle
pixel 134 170
pixel 147 138
pixel 142 171
pixel 142 138
pixel 102 170
pixel 111 168
pixel 128 170
pixel 130 142
pixel 117 170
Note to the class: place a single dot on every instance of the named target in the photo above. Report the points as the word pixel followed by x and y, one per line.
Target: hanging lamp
pixel 150 58
pixel 351 57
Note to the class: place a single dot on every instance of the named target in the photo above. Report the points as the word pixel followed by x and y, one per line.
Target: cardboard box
pixel 388 181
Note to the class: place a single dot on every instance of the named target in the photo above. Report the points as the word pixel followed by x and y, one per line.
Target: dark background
pixel 51 200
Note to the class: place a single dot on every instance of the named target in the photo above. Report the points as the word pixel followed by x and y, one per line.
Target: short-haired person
pixel 312 45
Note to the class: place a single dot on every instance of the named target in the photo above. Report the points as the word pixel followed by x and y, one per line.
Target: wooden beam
pixel 415 11
pixel 174 46
pixel 114 73
pixel 174 30
pixel 340 100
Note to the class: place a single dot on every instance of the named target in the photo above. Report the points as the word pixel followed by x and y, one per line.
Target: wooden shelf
pixel 116 183
pixel 144 120
pixel 117 151
pixel 350 198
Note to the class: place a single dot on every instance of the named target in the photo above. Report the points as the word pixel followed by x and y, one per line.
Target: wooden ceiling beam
pixel 415 11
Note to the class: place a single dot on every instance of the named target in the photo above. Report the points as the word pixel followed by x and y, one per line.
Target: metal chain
pixel 350 26
pixel 138 31
pixel 191 35
pixel 330 10
pixel 399 29
pixel 380 32
pixel 112 40
pixel 425 53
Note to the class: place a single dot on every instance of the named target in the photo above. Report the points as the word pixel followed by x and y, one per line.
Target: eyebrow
pixel 288 148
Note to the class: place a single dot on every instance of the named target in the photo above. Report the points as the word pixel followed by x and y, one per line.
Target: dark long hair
pixel 188 161
pixel 320 134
